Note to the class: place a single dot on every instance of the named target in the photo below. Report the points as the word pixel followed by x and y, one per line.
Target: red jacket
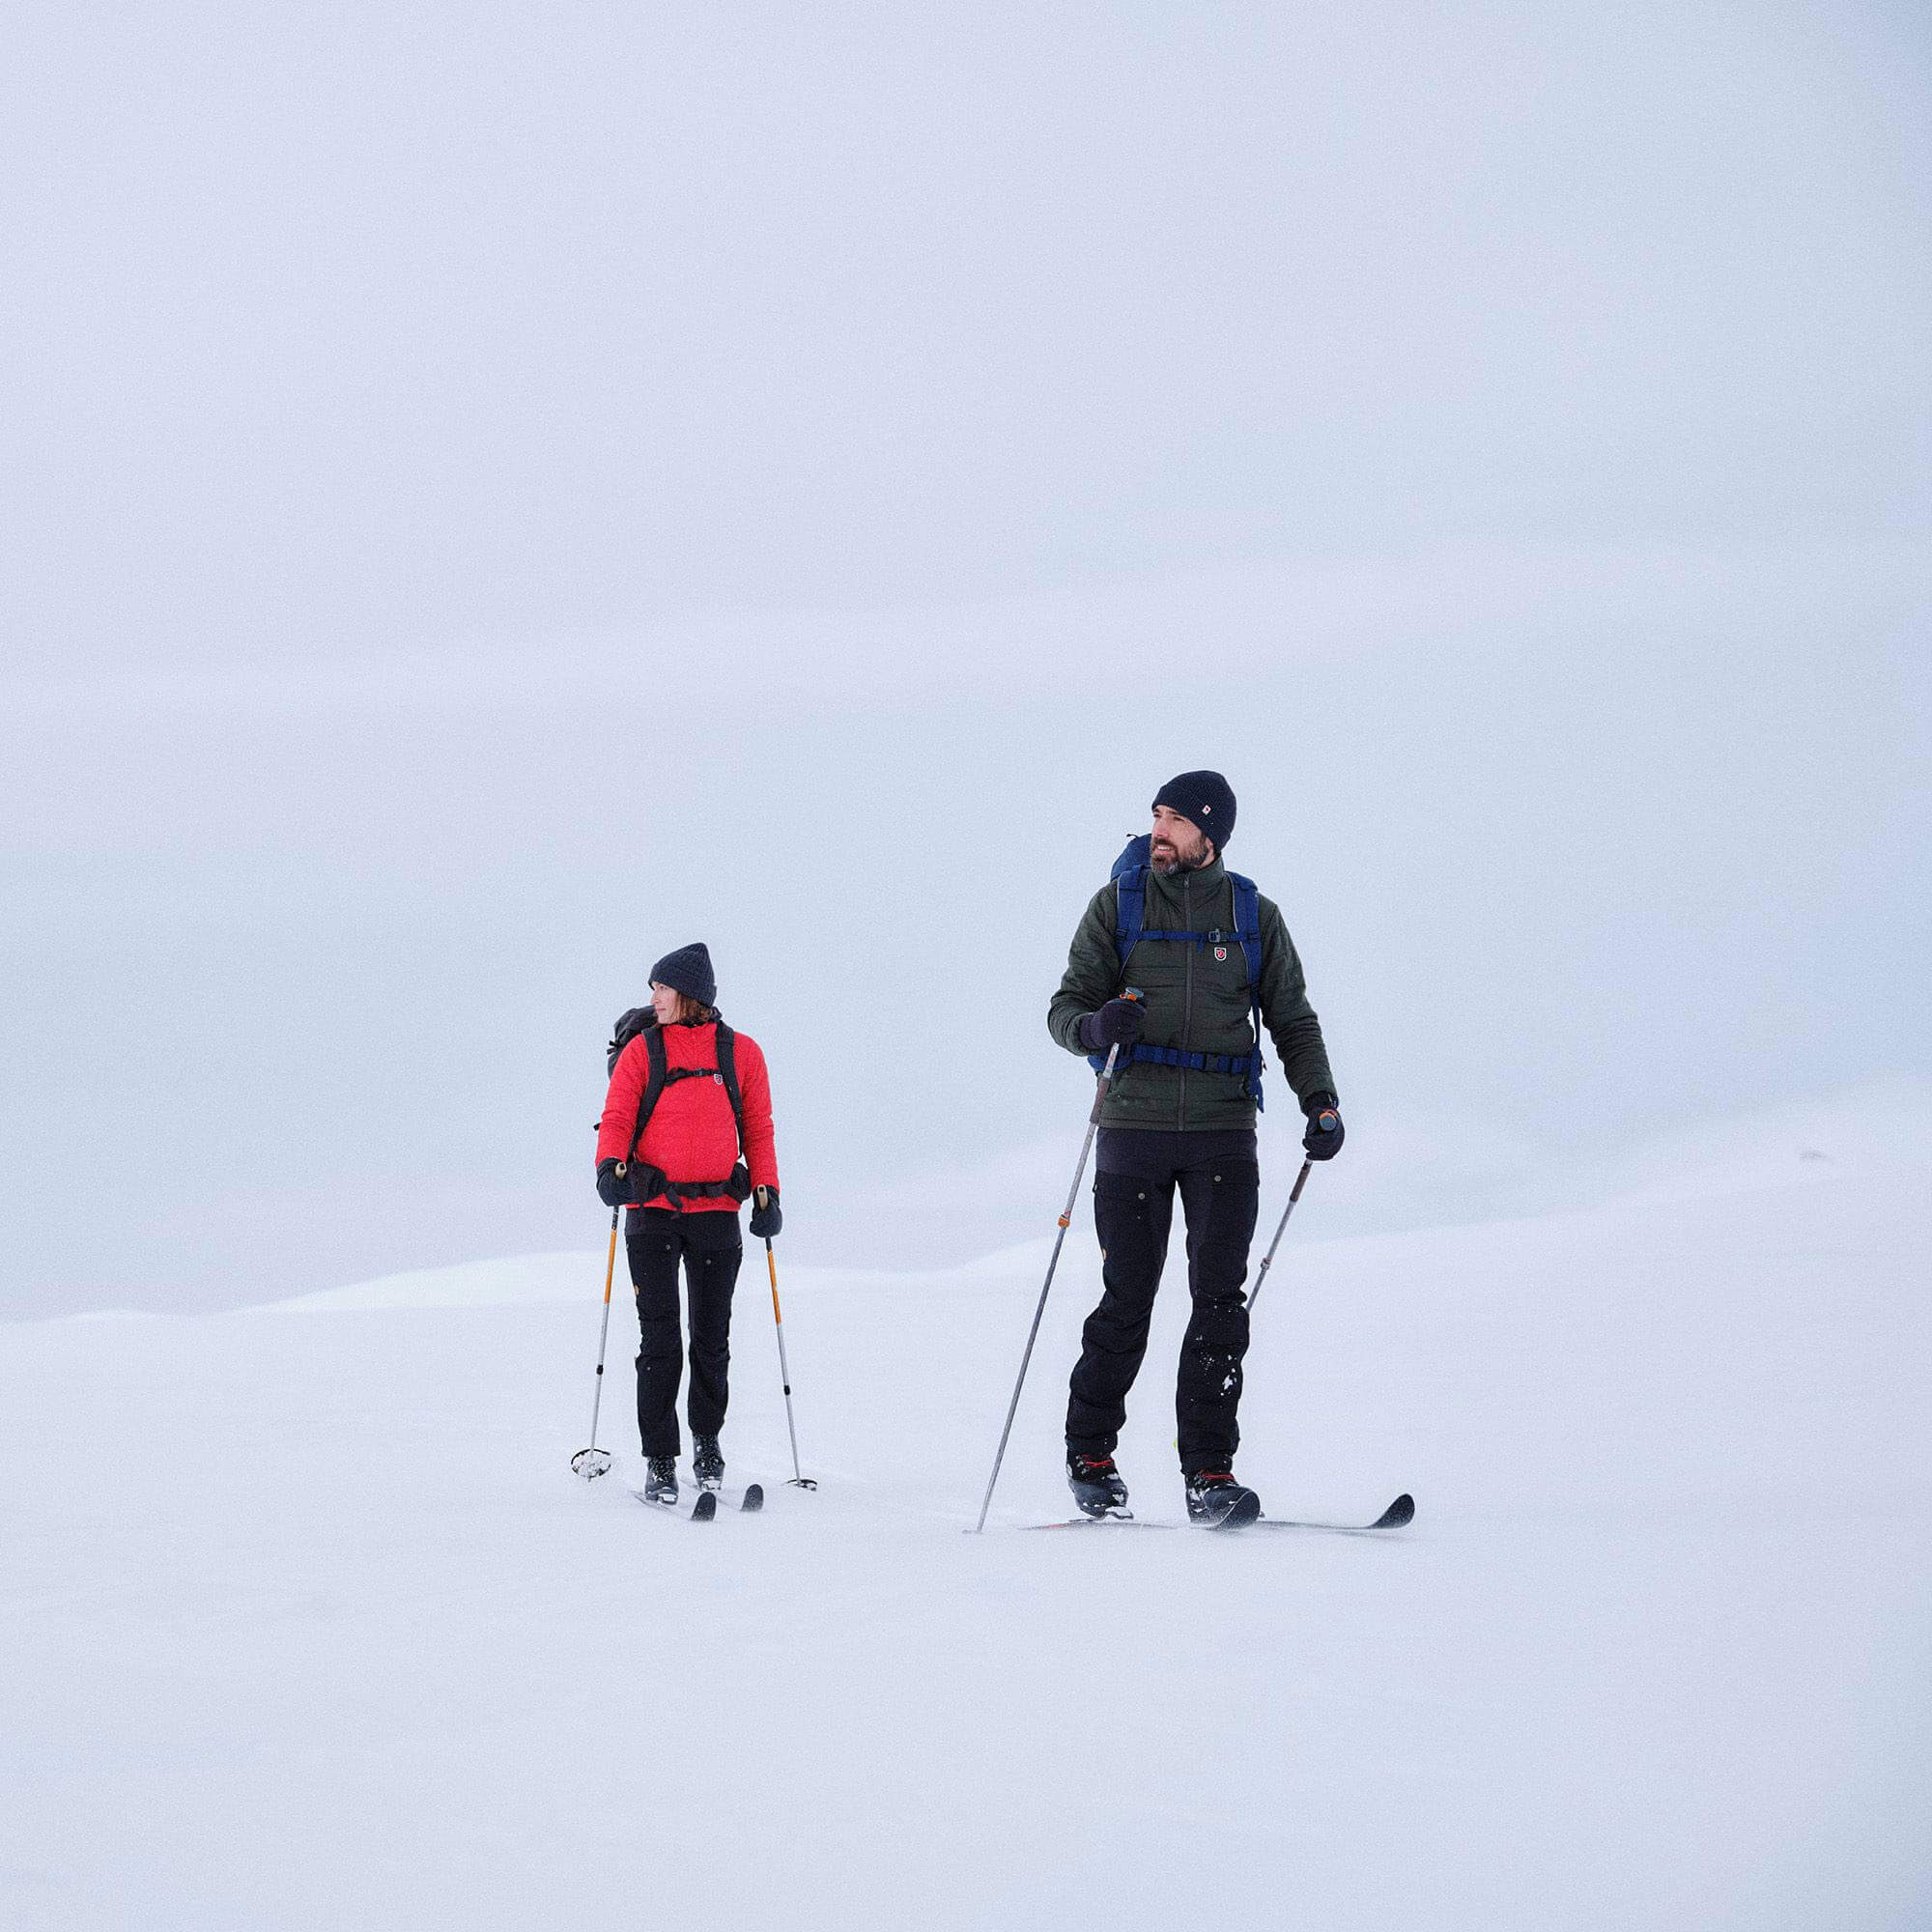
pixel 691 1134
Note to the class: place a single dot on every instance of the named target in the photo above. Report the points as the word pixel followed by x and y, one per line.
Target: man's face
pixel 1179 845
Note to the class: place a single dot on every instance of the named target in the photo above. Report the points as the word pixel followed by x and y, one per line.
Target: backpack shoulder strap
pixel 727 1071
pixel 1130 911
pixel 1248 925
pixel 654 1086
pixel 1248 931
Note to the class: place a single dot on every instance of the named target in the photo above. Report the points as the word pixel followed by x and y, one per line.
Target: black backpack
pixel 649 1183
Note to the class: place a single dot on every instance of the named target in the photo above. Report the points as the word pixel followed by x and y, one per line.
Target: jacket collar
pixel 1210 877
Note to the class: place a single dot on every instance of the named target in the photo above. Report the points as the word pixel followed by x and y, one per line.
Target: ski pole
pixel 798 1480
pixel 1100 1086
pixel 1301 1181
pixel 1268 1261
pixel 594 1461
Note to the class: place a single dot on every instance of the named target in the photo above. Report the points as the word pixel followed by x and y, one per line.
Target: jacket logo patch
pixel 1220 953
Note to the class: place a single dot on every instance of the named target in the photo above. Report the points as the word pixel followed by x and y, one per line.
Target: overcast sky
pixel 492 494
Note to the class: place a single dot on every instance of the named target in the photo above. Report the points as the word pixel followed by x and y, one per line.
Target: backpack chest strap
pixel 1198 939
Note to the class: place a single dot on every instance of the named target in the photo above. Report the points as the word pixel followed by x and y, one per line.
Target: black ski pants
pixel 656 1239
pixel 1136 1174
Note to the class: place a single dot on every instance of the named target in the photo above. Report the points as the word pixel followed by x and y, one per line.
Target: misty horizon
pixel 491 500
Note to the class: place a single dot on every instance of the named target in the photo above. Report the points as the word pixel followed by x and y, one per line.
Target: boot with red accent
pixel 1216 1501
pixel 1096 1484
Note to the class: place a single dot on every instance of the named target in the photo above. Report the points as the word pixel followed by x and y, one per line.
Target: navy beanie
pixel 1203 799
pixel 688 971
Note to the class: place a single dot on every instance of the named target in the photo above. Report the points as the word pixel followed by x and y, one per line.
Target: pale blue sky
pixel 493 492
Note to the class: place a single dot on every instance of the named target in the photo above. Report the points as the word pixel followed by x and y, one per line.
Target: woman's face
pixel 663 1003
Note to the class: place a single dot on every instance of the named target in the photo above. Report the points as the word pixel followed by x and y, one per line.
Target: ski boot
pixel 708 1463
pixel 661 1479
pixel 1216 1501
pixel 1097 1486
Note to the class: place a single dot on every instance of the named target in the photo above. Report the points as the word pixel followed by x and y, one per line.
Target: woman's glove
pixel 767 1217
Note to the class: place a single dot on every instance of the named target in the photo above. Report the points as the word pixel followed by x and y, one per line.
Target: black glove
pixel 1117 1024
pixel 613 1189
pixel 767 1216
pixel 1323 1138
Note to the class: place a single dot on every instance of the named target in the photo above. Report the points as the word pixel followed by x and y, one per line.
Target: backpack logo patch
pixel 1220 953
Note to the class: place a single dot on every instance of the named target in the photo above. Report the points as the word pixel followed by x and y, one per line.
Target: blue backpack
pixel 1131 873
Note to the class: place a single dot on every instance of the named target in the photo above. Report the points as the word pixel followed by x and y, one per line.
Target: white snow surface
pixel 306 1623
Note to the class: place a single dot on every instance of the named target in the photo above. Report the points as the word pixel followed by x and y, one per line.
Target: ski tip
pixel 755 1499
pixel 1398 1513
pixel 705 1508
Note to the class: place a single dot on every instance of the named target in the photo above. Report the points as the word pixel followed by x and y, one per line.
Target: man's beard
pixel 1175 863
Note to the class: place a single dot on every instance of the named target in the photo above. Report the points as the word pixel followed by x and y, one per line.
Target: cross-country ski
pixel 702 1510
pixel 1397 1516
pixel 1399 1513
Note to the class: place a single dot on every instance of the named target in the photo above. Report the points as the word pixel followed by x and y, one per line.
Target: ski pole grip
pixel 1110 1072
pixel 761 1195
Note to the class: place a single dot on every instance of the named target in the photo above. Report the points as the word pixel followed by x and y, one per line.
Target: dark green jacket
pixel 1194 1001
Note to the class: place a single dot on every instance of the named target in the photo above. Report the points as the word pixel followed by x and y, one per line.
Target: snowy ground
pixel 305 1623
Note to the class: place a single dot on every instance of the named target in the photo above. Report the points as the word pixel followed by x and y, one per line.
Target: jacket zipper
pixel 1187 997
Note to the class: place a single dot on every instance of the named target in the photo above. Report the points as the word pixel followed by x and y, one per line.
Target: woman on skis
pixel 685 1138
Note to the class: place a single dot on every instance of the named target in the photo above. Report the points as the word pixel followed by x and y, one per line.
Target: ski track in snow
pixel 306 1623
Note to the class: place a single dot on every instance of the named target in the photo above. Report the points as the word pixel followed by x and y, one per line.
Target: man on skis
pixel 1205 955
pixel 685 1138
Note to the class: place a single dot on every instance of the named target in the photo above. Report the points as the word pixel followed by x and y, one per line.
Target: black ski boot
pixel 708 1463
pixel 661 1479
pixel 1096 1484
pixel 1216 1501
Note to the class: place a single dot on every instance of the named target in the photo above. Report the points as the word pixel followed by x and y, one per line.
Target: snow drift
pixel 306 1623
